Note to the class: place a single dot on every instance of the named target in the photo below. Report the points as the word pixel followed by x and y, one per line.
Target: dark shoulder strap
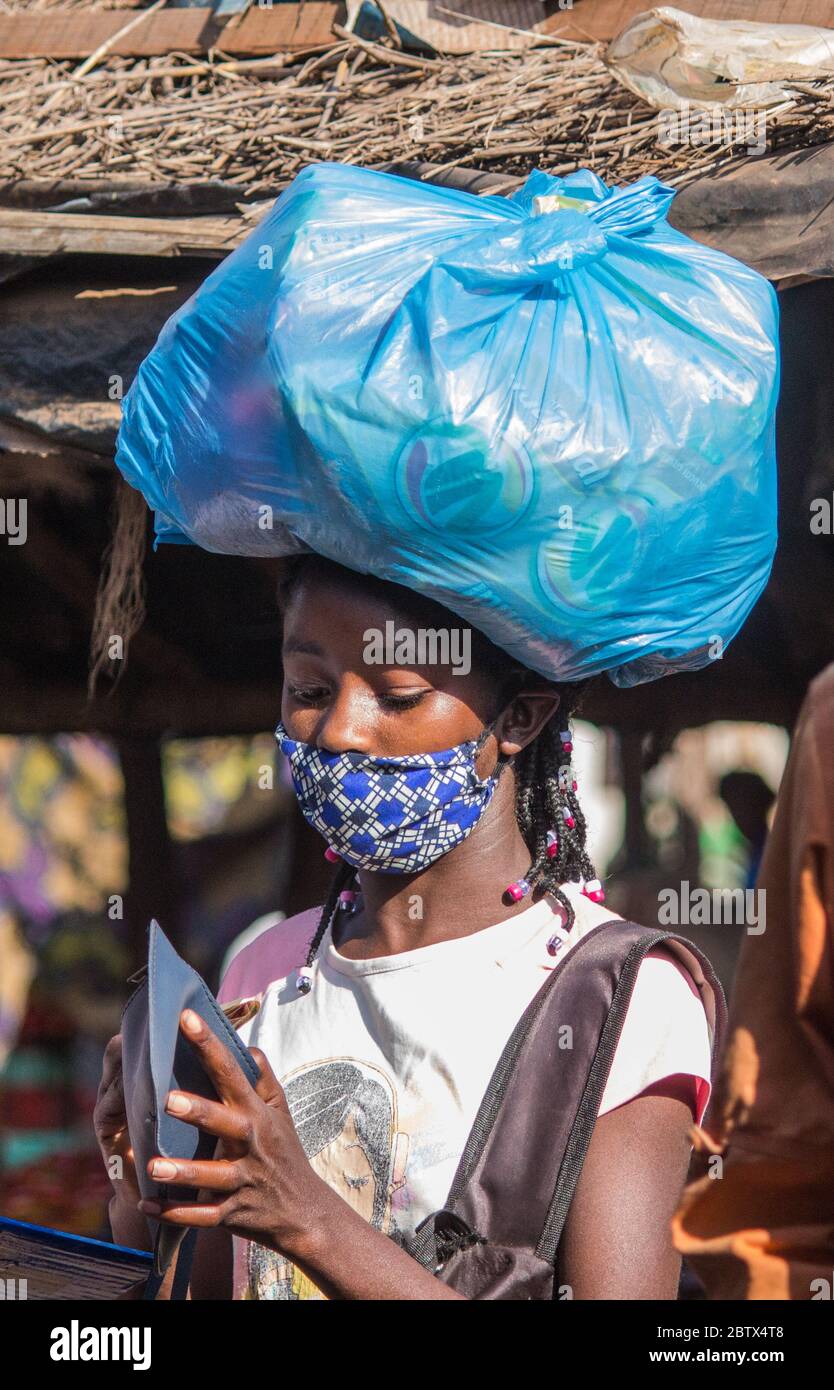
pixel 712 996
pixel 519 1167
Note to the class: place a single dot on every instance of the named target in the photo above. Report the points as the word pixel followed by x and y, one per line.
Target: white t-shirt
pixel 385 1061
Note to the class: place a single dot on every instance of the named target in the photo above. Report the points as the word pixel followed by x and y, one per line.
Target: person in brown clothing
pixel 757 1222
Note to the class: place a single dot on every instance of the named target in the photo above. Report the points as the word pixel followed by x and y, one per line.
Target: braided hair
pixel 546 798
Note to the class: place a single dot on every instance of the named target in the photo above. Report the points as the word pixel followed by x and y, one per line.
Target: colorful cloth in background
pixel 16 973
pixel 760 1223
pixel 62 831
pixel 63 845
pixel 64 957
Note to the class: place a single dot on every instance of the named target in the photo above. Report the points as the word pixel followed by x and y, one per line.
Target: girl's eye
pixel 308 694
pixel 401 702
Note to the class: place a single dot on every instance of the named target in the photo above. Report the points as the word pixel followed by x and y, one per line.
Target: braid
pixel 545 795
pixel 343 878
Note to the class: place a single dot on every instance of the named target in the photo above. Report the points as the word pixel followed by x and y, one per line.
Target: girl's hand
pixel 129 1227
pixel 110 1125
pixel 260 1184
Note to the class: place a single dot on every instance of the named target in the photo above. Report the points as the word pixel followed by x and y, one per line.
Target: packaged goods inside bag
pixel 551 412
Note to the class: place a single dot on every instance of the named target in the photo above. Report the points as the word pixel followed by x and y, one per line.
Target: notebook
pixel 39 1263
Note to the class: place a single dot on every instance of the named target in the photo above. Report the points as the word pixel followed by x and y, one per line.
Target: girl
pixel 459 885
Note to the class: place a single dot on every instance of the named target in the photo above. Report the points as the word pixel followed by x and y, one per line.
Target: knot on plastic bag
pixel 537 249
pixel 628 211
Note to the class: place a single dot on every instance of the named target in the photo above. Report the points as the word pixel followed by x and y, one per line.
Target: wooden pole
pixel 153 888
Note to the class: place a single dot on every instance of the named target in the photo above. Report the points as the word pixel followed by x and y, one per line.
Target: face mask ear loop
pixel 504 759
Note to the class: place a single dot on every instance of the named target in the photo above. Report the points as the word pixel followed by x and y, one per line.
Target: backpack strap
pixel 521 1162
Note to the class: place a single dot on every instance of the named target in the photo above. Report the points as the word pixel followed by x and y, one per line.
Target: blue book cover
pixel 39 1263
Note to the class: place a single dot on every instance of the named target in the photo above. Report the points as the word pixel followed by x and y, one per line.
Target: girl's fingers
pixel 220 1064
pixel 202 1214
pixel 216 1175
pixel 267 1086
pixel 226 1121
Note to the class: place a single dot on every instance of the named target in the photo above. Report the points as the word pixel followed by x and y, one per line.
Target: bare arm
pixel 211 1273
pixel 617 1241
pixel 348 1259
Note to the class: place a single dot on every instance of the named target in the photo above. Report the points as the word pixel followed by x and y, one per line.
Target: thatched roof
pixel 252 124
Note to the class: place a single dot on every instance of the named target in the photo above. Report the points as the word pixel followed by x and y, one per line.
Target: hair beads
pixel 549 813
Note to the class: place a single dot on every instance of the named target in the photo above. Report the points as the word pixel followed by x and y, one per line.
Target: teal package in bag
pixel 552 412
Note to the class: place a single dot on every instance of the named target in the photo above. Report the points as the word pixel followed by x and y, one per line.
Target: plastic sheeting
pixel 673 59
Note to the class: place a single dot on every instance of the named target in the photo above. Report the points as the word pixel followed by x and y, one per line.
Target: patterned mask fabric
pixel 392 815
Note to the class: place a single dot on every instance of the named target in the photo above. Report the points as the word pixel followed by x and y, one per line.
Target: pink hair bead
pixel 331 856
pixel 552 844
pixel 594 890
pixel 347 900
pixel 569 820
pixel 518 890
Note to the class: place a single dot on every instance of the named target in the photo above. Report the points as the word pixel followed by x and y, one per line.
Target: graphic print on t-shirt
pixel 385 1060
pixel 345 1112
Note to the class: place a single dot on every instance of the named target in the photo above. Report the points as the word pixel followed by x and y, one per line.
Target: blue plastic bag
pixel 552 412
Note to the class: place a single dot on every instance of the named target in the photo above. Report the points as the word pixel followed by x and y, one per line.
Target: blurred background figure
pixel 749 799
pixel 758 1222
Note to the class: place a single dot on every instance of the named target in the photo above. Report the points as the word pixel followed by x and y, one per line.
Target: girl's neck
pixel 461 893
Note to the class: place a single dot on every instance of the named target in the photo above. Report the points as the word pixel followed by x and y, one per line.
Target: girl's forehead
pixel 340 612
pixel 332 621
pixel 359 602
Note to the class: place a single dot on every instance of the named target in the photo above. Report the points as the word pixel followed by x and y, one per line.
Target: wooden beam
pixel 72 34
pixel 603 20
pixel 35 233
pixel 179 707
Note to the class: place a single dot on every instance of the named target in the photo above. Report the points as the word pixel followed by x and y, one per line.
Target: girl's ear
pixel 525 718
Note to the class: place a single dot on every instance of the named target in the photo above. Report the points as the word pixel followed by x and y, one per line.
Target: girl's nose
pixel 345 726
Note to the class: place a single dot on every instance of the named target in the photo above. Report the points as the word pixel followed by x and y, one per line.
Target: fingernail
pixel 177 1104
pixel 191 1021
pixel 162 1168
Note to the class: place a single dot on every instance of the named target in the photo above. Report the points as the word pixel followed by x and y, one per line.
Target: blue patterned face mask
pixel 393 815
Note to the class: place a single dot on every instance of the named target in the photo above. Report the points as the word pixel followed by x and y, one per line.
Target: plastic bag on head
pixel 552 412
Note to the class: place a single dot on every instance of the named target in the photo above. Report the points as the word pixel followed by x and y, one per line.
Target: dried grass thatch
pixel 256 123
